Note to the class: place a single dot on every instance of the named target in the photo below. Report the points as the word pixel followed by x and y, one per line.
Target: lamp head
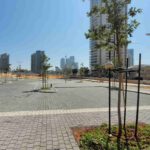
pixel 109 65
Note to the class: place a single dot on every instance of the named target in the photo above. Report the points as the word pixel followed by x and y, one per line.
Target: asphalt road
pixel 20 96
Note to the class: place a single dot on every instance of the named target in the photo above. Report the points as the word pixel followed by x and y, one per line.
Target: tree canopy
pixel 114 34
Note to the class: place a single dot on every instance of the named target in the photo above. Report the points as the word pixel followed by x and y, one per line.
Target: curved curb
pixel 48 90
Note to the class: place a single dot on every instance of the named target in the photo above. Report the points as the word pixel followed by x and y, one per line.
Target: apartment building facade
pixel 100 56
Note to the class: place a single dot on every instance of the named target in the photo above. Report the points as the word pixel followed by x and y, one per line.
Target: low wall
pixel 28 76
pixel 147 82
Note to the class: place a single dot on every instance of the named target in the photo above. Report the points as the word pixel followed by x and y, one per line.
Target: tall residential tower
pixel 4 62
pixel 36 62
pixel 68 63
pixel 131 57
pixel 100 56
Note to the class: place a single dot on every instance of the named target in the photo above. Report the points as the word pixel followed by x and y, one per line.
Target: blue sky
pixel 58 27
pixel 141 42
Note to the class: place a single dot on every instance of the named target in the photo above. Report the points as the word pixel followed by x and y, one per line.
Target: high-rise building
pixel 68 63
pixel 130 57
pixel 36 62
pixel 62 63
pixel 4 62
pixel 72 60
pixel 100 56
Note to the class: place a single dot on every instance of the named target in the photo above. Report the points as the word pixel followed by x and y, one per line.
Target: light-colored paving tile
pixel 53 131
pixel 68 111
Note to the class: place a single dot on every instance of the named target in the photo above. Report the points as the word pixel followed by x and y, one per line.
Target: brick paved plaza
pixel 40 121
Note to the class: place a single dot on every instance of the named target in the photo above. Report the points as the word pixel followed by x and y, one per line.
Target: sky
pixel 141 42
pixel 58 27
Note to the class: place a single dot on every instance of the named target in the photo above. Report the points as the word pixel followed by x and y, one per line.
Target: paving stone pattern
pixel 37 121
pixel 51 132
pixel 20 96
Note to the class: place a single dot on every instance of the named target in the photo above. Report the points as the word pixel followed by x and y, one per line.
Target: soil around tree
pixel 97 138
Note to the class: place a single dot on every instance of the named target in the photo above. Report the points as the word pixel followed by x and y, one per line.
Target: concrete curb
pixel 52 90
pixel 140 92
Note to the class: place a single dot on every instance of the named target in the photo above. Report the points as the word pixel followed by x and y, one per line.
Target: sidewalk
pixel 51 129
pixel 144 89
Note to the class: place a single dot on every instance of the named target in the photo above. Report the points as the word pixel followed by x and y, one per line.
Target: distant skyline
pixel 58 28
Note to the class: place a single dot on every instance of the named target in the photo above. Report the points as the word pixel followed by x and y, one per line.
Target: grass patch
pixel 96 138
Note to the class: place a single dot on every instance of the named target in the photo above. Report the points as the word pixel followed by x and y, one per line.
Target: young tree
pixel 84 71
pixel 114 35
pixel 45 65
pixel 99 69
pixel 67 72
pixel 74 72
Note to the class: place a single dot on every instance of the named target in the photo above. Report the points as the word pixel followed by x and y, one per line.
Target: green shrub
pixel 97 139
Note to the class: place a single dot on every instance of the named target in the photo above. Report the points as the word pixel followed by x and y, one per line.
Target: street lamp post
pixel 109 65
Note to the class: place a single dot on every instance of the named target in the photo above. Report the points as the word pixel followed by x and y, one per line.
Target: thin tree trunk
pixel 5 77
pixel 120 86
pixel 43 80
pixel 119 106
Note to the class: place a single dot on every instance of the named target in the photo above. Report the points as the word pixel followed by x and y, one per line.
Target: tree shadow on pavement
pixel 31 91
